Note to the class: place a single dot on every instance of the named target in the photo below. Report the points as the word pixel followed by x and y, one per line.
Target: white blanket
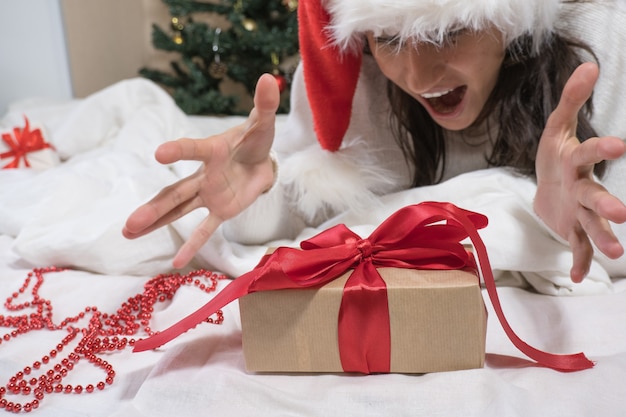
pixel 72 214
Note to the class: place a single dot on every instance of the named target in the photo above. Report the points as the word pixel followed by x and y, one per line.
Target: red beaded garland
pixel 104 333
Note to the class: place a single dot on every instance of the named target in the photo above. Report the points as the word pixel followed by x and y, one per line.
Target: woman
pixel 471 85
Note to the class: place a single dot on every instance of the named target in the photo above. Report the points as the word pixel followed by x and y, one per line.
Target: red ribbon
pixel 25 141
pixel 422 236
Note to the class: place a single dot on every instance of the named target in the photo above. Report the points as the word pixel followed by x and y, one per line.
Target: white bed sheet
pixel 202 373
pixel 72 214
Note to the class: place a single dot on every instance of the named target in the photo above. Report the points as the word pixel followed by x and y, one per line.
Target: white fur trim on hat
pixel 430 20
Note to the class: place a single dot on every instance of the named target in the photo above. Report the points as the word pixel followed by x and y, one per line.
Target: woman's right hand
pixel 236 169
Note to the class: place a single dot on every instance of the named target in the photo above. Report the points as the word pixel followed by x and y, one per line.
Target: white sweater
pixel 314 185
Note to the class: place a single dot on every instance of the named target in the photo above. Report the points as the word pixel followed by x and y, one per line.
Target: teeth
pixel 435 95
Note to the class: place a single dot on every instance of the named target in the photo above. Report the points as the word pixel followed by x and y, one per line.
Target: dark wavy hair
pixel 527 91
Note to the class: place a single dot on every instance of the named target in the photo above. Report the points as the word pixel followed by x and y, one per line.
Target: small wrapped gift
pixel 27 148
pixel 437 323
pixel 385 323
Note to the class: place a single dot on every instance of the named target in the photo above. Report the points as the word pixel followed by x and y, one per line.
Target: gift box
pixel 438 323
pixel 26 147
pixel 405 299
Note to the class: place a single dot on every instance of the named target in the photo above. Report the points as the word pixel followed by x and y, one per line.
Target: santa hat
pixel 331 33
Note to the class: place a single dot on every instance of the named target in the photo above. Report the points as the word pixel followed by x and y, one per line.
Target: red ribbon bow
pixel 422 236
pixel 25 141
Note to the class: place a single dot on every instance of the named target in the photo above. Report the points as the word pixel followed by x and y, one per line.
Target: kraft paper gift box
pixel 438 323
pixel 405 299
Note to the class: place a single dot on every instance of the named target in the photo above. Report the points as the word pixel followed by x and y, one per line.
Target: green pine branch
pixel 261 34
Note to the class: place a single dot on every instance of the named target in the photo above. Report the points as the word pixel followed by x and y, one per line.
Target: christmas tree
pixel 256 37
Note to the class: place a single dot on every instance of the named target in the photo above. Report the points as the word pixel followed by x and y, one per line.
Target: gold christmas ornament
pixel 291 5
pixel 177 25
pixel 249 24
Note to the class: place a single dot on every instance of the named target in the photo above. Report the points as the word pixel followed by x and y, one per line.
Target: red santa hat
pixel 331 36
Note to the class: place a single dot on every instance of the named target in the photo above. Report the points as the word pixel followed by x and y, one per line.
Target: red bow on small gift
pixel 21 143
pixel 421 236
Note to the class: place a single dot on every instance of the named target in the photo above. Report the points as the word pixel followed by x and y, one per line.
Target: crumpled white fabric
pixel 73 214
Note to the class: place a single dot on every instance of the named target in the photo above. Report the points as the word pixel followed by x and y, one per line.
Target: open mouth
pixel 445 102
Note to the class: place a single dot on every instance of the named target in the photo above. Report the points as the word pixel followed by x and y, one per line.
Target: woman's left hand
pixel 568 199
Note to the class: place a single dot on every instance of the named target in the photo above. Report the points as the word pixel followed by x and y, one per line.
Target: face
pixel 452 81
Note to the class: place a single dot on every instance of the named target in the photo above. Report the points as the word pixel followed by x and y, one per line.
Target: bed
pixel 68 208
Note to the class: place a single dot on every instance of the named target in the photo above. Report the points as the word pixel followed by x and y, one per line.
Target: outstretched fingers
pixel 185 149
pixel 253 146
pixel 198 238
pixel 168 205
pixel 266 95
pixel 576 93
pixel 592 228
pixel 597 208
pixel 598 149
pixel 582 254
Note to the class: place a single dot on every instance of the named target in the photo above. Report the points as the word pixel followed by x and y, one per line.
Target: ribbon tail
pixel 12 153
pixel 235 289
pixel 571 362
pixel 13 164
